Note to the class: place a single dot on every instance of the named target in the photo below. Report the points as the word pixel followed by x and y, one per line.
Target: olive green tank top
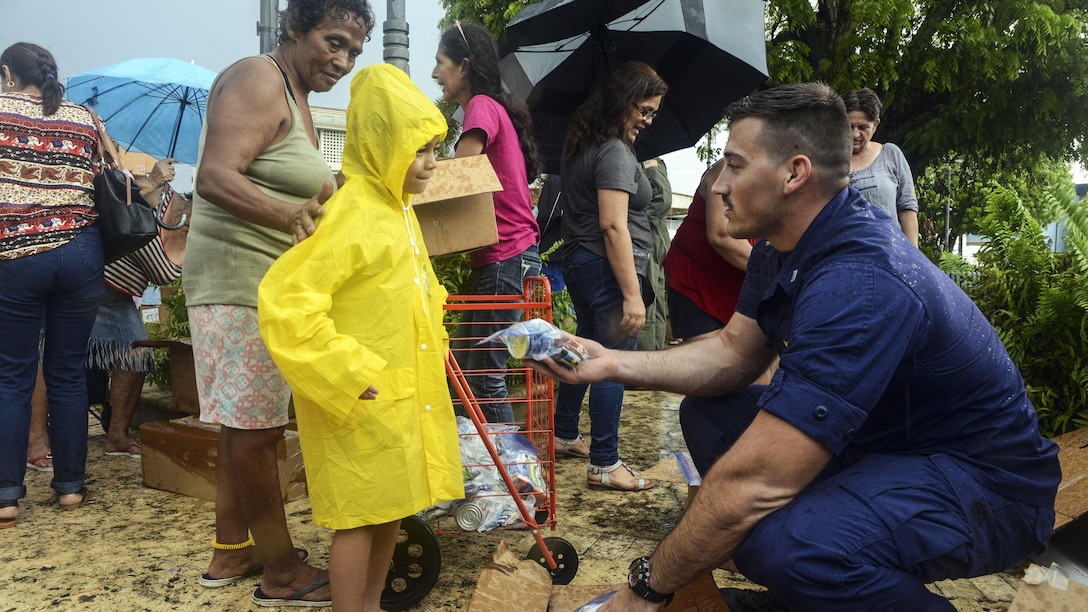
pixel 226 258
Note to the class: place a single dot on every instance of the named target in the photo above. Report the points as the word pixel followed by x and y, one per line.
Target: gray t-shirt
pixel 611 165
pixel 887 182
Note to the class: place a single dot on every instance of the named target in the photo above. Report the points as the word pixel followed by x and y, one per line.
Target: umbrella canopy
pixel 152 105
pixel 710 52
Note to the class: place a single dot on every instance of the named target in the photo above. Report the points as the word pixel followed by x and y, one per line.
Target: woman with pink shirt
pixel 496 124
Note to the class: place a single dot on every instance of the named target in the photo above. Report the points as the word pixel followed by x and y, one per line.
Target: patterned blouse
pixel 46 174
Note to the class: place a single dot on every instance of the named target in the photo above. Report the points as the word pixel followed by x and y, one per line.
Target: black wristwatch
pixel 638 579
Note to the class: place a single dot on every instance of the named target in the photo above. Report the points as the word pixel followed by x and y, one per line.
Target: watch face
pixel 638 576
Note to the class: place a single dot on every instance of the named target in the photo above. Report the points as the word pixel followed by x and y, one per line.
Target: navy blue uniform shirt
pixel 881 352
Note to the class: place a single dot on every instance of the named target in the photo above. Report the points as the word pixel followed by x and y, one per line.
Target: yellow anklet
pixel 246 544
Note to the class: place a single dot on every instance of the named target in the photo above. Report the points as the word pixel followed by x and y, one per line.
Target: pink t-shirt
pixel 513 205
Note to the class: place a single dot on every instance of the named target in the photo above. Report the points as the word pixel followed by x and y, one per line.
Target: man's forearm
pixel 705 539
pixel 762 472
pixel 705 368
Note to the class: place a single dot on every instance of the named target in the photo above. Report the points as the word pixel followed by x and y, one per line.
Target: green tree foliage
pixel 964 185
pixel 1003 81
pixel 1036 299
pixel 447 147
pixel 492 14
pixel 175 324
pixel 1000 85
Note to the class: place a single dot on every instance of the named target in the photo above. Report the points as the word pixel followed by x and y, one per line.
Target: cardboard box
pixel 508 583
pixel 1072 500
pixel 699 596
pixel 457 212
pixel 149 314
pixel 179 456
pixel 1048 591
pixel 182 373
pixel 1066 548
pixel 138 163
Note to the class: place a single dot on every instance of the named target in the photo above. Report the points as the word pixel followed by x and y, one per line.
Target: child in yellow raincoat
pixel 353 318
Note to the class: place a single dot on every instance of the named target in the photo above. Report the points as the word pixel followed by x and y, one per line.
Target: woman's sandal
pixel 566 448
pixel 9 522
pixel 35 463
pixel 606 483
pixel 208 582
pixel 82 492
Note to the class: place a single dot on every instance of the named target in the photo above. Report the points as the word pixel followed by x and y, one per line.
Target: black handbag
pixel 126 220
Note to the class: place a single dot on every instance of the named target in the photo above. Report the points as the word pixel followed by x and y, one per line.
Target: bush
pixel 174 325
pixel 1037 300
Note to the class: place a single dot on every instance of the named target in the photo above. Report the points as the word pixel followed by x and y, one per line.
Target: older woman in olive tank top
pixel 260 183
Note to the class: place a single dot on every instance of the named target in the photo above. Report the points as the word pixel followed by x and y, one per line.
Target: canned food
pixel 469 516
pixel 569 352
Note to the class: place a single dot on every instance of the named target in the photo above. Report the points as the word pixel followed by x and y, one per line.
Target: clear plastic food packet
pixel 594 604
pixel 537 339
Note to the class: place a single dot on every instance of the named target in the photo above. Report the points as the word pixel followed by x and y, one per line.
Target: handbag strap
pixel 108 153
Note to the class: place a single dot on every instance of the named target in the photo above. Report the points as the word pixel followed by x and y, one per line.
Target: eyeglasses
pixel 647 113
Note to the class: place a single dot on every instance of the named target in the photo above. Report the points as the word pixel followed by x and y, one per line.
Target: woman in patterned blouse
pixel 50 269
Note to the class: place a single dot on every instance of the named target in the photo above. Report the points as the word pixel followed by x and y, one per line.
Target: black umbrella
pixel 710 52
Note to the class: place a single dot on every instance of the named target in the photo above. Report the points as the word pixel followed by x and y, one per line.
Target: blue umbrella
pixel 152 105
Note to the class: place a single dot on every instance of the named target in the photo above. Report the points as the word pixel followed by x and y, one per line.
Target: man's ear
pixel 800 173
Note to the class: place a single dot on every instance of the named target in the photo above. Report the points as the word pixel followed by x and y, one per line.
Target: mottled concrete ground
pixel 135 548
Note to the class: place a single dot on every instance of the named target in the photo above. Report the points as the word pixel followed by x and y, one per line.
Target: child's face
pixel 415 181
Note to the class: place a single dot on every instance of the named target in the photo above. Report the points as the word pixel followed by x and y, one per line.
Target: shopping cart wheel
pixel 415 565
pixel 564 555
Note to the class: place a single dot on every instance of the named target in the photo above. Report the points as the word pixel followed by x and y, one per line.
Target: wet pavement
pixel 135 548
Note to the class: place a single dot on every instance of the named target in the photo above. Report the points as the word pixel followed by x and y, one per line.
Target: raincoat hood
pixel 389 119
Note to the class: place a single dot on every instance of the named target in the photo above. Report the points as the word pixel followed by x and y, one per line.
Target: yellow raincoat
pixel 357 304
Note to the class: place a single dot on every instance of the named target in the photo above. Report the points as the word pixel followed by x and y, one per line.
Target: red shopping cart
pixel 416 559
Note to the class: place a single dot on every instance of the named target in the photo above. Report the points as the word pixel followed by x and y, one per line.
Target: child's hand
pixel 370 393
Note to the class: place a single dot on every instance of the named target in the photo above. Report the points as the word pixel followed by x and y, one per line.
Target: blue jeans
pixel 485 368
pixel 60 289
pixel 871 529
pixel 598 304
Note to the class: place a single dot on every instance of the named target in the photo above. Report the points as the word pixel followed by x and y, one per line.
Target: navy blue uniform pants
pixel 871 530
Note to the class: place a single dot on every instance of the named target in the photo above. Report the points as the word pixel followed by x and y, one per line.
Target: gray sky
pixel 86 34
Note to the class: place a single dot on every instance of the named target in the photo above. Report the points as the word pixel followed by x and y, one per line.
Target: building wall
pixel 331 125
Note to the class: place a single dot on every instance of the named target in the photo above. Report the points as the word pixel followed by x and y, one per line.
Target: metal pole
pixel 395 41
pixel 268 26
pixel 948 210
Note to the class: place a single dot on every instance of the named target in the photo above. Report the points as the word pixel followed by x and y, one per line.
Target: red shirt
pixel 697 271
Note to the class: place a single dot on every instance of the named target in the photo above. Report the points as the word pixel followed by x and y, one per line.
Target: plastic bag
pixel 595 603
pixel 538 339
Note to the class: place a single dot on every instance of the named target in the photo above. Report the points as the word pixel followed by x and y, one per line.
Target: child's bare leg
pixel 363 551
pixel 381 554
pixel 349 558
